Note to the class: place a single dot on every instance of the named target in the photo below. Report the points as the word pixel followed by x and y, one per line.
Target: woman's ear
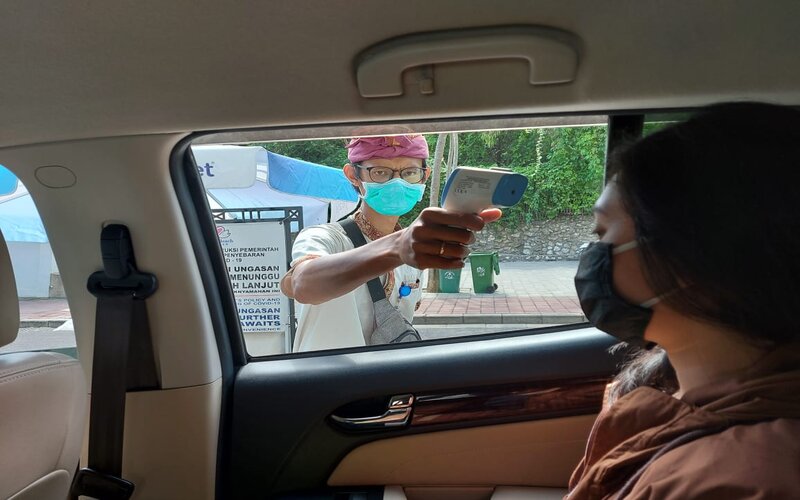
pixel 352 175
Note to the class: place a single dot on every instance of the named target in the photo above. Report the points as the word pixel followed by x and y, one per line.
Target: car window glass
pixel 520 271
pixel 45 322
pixel 654 122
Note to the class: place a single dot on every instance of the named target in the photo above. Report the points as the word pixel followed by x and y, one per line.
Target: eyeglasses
pixel 412 175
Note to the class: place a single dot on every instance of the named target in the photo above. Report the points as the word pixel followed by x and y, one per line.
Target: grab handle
pixel 551 54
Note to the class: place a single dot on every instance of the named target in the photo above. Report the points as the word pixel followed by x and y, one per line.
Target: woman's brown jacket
pixel 737 440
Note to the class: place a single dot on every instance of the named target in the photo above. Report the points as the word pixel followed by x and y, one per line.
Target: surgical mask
pixel 604 309
pixel 393 197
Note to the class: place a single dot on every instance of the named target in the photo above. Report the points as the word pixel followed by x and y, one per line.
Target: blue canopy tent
pixel 280 181
pixel 24 233
pixel 308 179
pixel 8 181
pixel 19 219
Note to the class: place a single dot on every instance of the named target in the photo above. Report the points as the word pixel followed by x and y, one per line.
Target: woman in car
pixel 699 254
pixel 330 272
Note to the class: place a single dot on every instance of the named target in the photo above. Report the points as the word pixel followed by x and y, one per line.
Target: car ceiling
pixel 73 70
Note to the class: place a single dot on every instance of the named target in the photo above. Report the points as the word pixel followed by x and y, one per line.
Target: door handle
pixel 397 414
pixel 551 53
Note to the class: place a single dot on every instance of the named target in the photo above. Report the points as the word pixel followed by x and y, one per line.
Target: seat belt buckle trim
pixel 119 274
pixel 141 285
pixel 88 482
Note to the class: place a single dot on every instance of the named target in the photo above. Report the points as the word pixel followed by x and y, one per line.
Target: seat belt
pixel 123 361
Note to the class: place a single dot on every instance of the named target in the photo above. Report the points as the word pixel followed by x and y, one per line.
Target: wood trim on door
pixel 525 401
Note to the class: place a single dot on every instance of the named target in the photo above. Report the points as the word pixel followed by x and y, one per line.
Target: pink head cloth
pixel 409 146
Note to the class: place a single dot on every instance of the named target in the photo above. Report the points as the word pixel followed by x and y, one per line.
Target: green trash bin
pixel 484 267
pixel 449 280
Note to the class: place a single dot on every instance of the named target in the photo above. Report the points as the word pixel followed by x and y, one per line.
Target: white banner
pixel 227 166
pixel 256 256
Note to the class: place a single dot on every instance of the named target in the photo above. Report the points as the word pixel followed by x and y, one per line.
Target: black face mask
pixel 606 310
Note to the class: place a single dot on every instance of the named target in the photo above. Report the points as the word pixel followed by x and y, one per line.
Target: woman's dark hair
pixel 712 200
pixel 642 368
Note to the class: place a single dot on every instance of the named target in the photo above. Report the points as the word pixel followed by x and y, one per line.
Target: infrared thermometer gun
pixel 472 190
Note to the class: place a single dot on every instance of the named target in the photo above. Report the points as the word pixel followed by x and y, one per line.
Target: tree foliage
pixel 564 166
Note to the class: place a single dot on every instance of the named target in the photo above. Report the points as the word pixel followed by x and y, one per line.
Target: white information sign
pixel 256 256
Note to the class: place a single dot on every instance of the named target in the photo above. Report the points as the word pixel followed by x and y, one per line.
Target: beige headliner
pixel 92 69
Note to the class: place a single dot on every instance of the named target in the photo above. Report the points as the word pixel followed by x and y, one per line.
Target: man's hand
pixel 440 239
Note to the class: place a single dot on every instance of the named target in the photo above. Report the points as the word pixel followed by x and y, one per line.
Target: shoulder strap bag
pixel 390 326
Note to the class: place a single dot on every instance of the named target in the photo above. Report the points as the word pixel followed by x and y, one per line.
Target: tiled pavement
pixel 527 293
pixel 43 312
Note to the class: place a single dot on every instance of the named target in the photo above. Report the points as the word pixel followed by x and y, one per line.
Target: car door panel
pixel 283 438
pixel 508 454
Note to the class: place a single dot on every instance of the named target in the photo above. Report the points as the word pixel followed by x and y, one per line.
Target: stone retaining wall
pixel 562 238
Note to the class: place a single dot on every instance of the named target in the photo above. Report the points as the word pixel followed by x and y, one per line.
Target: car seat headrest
pixel 9 303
